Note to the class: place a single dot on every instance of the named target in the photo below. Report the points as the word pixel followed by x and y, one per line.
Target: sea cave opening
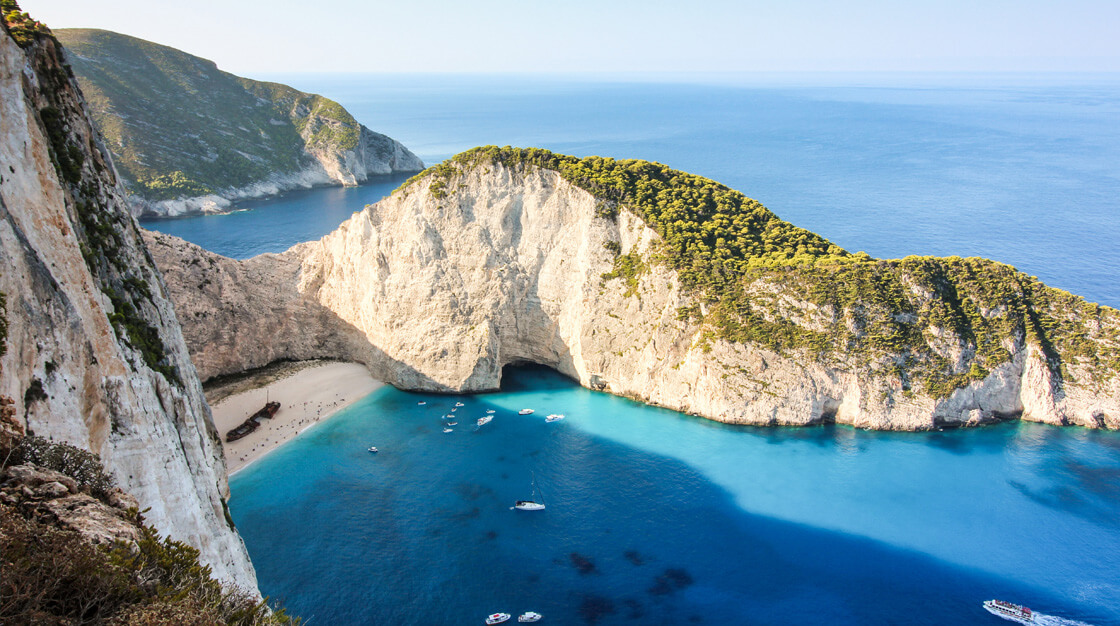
pixel 528 375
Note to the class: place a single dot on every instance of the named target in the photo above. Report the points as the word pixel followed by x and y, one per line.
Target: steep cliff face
pixel 188 137
pixel 94 354
pixel 482 263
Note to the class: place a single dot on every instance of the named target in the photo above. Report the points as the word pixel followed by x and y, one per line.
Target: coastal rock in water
pixel 92 352
pixel 498 257
pixel 190 138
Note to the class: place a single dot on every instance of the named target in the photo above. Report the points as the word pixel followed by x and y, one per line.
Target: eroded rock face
pixel 498 265
pixel 94 354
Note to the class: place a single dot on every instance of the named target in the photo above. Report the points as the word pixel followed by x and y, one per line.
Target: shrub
pixel 83 466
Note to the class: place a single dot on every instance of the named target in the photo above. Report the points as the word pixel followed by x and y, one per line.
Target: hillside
pixel 181 129
pixel 656 284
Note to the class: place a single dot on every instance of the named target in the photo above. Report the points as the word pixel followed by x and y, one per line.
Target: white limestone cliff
pixel 94 355
pixel 503 265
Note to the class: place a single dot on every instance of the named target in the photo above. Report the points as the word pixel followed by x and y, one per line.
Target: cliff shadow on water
pixel 632 535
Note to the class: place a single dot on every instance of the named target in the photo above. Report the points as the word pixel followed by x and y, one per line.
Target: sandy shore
pixel 306 396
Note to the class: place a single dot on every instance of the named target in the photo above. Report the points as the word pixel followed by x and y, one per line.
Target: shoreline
pixel 308 395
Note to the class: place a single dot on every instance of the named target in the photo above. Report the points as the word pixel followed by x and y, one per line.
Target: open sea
pixel 654 517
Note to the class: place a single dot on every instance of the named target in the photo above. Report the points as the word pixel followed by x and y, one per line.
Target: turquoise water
pixel 654 517
pixel 1020 169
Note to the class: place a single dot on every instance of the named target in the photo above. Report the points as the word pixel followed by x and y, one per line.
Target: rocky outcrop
pixel 49 495
pixel 93 354
pixel 250 313
pixel 188 137
pixel 484 264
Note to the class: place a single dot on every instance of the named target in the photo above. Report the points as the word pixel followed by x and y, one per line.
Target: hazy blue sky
pixel 254 36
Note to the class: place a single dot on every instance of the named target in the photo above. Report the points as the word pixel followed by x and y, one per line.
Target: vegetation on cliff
pixel 179 126
pixel 930 324
pixel 20 25
pixel 53 574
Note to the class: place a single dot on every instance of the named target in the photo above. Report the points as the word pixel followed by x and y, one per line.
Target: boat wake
pixel 1054 620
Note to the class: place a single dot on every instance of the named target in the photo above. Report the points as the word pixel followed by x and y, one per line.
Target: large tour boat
pixel 1010 611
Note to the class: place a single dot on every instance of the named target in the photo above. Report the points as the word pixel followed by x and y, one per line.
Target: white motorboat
pixel 452 423
pixel 484 420
pixel 555 417
pixel 458 404
pixel 447 430
pixel 529 617
pixel 421 403
pixel 497 618
pixel 373 448
pixel 525 412
pixel 489 410
pixel 1009 611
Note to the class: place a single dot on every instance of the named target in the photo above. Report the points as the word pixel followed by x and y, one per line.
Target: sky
pixel 616 36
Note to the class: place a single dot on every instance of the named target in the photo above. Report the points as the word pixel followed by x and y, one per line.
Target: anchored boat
pixel 530 505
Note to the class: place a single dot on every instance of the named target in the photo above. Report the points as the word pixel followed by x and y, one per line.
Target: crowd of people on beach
pixel 284 430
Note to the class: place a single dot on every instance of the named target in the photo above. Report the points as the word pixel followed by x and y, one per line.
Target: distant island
pixel 189 138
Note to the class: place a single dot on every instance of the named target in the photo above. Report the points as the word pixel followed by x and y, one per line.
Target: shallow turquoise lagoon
pixel 654 517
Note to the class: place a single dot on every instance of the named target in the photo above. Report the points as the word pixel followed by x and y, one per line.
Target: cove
pixel 656 517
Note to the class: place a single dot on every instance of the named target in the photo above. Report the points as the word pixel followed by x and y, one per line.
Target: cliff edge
pixel 659 285
pixel 91 350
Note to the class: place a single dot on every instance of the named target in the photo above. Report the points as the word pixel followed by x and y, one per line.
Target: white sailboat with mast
pixel 531 504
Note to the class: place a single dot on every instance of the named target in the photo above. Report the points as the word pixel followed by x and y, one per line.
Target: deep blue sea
pixel 654 517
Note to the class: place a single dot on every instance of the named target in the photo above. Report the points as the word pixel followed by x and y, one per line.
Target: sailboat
pixel 530 505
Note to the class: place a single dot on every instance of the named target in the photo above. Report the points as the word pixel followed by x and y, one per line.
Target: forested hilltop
pixel 179 127
pixel 933 324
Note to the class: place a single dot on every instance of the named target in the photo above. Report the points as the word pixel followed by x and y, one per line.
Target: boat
pixel 525 412
pixel 454 409
pixel 373 448
pixel 447 430
pixel 421 403
pixel 1009 611
pixel 528 617
pixel 530 505
pixel 484 420
pixel 555 417
pixel 452 423
pixel 458 404
pixel 497 618
pixel 489 410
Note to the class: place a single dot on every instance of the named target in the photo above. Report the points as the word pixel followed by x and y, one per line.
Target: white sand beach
pixel 306 397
